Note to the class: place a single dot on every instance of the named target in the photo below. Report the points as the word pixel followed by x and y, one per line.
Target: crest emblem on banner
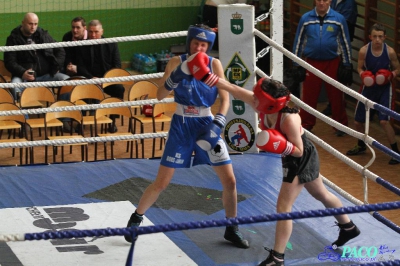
pixel 239 135
pixel 236 71
pixel 238 107
pixel 237 23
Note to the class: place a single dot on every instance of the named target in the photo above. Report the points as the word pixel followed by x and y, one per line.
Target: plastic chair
pixel 80 93
pixel 160 116
pixel 38 97
pixel 68 88
pixel 13 123
pixel 106 112
pixel 6 96
pixel 74 116
pixel 141 90
pixel 117 72
pixel 5 74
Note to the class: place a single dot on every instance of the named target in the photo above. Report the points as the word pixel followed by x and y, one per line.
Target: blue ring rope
pixel 136 231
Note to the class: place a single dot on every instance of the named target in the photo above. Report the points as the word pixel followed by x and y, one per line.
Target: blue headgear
pixel 201 35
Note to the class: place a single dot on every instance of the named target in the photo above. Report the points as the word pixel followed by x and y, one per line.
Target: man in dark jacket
pixel 33 65
pixel 93 61
pixel 78 32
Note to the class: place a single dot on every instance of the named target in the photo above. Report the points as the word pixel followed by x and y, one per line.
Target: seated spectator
pixel 33 65
pixel 78 32
pixel 94 61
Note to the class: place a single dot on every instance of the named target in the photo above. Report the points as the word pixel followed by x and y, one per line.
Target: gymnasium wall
pixel 119 18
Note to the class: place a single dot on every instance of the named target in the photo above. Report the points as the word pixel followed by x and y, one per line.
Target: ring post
pixel 237 55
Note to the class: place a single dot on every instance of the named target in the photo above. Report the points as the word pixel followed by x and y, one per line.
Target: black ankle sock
pixel 278 255
pixel 347 225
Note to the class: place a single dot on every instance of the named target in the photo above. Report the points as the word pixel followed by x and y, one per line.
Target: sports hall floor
pixel 97 187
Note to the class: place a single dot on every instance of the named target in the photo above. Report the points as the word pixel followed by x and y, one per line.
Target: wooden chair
pixel 117 72
pixel 3 79
pixel 13 123
pixel 80 94
pixel 106 112
pixel 5 74
pixel 160 115
pixel 6 96
pixel 38 97
pixel 141 90
pixel 68 88
pixel 74 116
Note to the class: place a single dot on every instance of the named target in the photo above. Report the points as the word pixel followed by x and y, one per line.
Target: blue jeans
pixel 57 77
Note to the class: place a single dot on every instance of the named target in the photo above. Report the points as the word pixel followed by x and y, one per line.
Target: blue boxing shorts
pixel 379 94
pixel 181 144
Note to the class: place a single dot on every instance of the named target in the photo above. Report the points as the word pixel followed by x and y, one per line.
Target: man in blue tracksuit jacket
pixel 348 8
pixel 322 39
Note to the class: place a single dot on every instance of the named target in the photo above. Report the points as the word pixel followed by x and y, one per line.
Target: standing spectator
pixel 377 66
pixel 189 131
pixel 323 39
pixel 33 65
pixel 95 60
pixel 78 32
pixel 348 8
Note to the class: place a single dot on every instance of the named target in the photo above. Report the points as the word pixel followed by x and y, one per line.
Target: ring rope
pixel 368 103
pixel 356 201
pixel 202 224
pixel 66 141
pixel 94 41
pixel 363 136
pixel 341 191
pixel 81 81
pixel 85 107
pixel 356 95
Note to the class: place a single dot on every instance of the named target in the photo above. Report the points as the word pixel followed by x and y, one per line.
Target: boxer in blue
pixel 194 130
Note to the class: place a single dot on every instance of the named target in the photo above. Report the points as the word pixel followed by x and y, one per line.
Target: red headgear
pixel 266 103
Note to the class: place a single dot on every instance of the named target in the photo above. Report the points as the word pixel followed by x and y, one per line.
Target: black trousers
pixel 115 90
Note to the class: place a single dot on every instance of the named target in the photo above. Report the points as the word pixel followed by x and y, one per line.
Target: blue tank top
pixel 374 63
pixel 194 92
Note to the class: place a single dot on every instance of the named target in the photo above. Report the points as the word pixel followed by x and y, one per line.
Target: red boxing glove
pixel 367 78
pixel 198 67
pixel 273 141
pixel 383 76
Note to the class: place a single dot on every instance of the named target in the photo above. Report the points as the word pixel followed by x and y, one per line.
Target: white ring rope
pixel 341 192
pixel 82 43
pixel 84 140
pixel 92 42
pixel 35 143
pixel 363 136
pixel 315 71
pixel 368 103
pixel 85 107
pixel 287 53
pixel 81 81
pixel 359 168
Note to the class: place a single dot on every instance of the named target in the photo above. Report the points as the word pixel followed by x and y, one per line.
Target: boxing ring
pixel 80 209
